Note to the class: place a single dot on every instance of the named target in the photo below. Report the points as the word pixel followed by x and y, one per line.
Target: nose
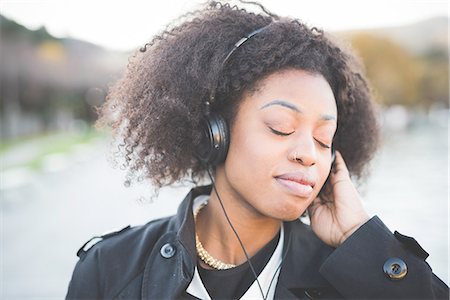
pixel 304 152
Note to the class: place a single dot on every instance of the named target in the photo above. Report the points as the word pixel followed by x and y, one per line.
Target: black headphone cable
pixel 237 235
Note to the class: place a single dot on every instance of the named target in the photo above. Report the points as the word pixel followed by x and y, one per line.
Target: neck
pixel 217 236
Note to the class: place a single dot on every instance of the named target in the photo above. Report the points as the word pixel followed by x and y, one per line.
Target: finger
pixel 338 181
pixel 313 206
pixel 340 172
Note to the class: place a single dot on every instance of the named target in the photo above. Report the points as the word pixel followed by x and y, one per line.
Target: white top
pixel 270 271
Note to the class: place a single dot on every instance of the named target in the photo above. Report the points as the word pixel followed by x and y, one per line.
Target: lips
pixel 298 183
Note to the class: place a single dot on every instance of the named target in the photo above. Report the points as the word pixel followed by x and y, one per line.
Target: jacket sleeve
pixel 374 263
pixel 85 283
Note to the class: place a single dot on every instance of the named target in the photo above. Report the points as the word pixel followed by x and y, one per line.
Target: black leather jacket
pixel 157 261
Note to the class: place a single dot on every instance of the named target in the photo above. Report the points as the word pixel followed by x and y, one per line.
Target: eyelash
pixel 280 133
pixel 286 134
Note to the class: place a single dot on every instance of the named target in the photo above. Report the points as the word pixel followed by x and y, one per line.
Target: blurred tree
pixel 393 72
pixel 434 79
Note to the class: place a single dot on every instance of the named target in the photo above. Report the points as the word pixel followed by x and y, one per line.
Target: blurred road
pixel 46 219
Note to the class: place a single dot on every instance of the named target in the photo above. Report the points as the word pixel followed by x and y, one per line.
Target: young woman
pixel 279 118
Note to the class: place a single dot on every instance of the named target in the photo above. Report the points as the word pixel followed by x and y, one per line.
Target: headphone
pixel 215 139
pixel 213 150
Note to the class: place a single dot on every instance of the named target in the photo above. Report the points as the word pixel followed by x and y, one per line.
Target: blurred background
pixel 59 187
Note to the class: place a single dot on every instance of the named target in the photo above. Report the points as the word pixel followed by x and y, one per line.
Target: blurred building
pixel 49 83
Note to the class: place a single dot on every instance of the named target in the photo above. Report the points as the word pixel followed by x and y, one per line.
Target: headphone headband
pixel 216 136
pixel 212 94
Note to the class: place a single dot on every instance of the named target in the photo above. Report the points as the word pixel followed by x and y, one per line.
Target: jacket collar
pixel 303 257
pixel 179 235
pixel 184 219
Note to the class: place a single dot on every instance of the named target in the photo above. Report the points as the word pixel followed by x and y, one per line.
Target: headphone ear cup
pixel 333 158
pixel 333 155
pixel 215 140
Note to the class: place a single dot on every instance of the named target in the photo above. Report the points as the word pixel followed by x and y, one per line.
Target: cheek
pixel 249 152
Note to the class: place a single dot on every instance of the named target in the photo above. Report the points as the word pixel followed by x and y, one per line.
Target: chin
pixel 288 217
pixel 290 212
pixel 291 218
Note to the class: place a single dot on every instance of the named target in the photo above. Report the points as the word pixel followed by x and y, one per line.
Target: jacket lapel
pixel 304 254
pixel 180 234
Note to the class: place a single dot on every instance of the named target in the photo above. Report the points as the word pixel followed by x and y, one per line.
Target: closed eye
pixel 323 145
pixel 289 133
pixel 280 132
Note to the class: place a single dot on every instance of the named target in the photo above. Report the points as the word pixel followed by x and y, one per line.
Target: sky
pixel 125 25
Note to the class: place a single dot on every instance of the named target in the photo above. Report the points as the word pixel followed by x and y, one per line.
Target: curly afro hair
pixel 157 106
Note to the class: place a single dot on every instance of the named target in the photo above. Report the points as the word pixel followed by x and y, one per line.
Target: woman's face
pixel 280 146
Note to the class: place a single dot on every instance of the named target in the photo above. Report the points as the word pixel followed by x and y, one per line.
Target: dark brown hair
pixel 157 107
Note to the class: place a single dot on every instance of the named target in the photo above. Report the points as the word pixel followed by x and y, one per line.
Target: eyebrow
pixel 282 103
pixel 294 108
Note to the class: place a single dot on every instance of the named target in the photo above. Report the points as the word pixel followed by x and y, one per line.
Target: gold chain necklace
pixel 203 254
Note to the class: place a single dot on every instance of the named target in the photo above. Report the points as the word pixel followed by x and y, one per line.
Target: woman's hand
pixel 334 222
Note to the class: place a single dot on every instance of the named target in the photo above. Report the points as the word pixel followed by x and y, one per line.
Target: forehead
pixel 311 93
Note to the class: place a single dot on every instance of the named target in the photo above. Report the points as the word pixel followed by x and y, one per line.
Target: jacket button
pixel 168 250
pixel 395 268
